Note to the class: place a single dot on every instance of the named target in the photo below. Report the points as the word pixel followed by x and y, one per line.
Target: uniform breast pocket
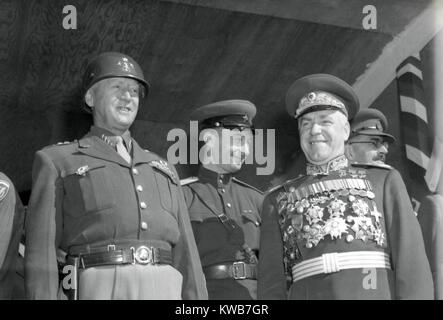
pixel 90 185
pixel 249 216
pixel 167 193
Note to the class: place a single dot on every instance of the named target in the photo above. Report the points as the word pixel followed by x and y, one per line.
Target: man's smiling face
pixel 114 103
pixel 323 135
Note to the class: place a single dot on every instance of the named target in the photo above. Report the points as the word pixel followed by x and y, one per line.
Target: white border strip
pixel 410 68
pixel 417 156
pixel 413 106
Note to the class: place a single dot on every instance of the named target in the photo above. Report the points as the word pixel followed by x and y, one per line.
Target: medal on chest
pixel 329 210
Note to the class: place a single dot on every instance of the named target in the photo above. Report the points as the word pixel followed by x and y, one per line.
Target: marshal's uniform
pixel 345 233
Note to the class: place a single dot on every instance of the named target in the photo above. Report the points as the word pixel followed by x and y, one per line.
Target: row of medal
pixel 364 224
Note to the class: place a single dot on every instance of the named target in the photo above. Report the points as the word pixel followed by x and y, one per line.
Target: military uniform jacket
pixel 430 217
pixel 11 230
pixel 217 242
pixel 348 209
pixel 85 193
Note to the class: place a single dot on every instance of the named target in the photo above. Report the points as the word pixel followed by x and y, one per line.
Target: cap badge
pixel 319 98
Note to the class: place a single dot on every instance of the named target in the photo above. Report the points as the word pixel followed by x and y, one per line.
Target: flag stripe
pixel 414 107
pixel 411 86
pixel 415 132
pixel 414 60
pixel 410 68
pixel 417 156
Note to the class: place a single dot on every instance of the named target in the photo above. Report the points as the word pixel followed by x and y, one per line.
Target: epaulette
pixel 246 185
pixel 188 180
pixel 59 144
pixel 64 143
pixel 272 189
pixel 373 164
pixel 163 166
pixel 282 185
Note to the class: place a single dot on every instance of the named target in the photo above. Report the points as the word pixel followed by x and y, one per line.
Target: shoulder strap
pixel 228 223
pixel 246 185
pixel 188 180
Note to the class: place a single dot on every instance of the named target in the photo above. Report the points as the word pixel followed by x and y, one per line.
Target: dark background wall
pixel 191 56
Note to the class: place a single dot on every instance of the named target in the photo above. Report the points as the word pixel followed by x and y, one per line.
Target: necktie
pixel 121 149
pixel 117 143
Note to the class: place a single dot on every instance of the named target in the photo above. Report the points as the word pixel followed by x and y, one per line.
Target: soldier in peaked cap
pixel 341 231
pixel 111 213
pixel 225 211
pixel 369 141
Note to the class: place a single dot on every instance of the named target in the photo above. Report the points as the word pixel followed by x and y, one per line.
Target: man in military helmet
pixel 368 141
pixel 11 230
pixel 225 211
pixel 109 212
pixel 341 231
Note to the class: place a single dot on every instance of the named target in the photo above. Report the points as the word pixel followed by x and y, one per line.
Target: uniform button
pixel 223 190
pixel 228 205
pixel 143 205
pixel 139 188
pixel 144 225
pixel 134 171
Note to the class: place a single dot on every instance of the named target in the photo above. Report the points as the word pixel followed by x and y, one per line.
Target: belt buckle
pixel 144 255
pixel 239 270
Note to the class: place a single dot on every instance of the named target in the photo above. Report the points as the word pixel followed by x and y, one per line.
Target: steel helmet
pixel 111 65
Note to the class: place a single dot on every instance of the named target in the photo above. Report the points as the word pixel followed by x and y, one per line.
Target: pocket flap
pixel 252 216
pixel 81 170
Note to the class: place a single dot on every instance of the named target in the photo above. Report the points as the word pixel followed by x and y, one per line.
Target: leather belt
pixel 132 255
pixel 238 270
pixel 334 262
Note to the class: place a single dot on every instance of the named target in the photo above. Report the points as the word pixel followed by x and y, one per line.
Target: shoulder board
pixel 246 185
pixel 274 188
pixel 188 180
pixel 300 176
pixel 283 185
pixel 163 166
pixel 4 188
pixel 372 165
pixel 64 143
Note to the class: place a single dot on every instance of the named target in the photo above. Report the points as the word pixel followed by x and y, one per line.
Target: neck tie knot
pixel 118 143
